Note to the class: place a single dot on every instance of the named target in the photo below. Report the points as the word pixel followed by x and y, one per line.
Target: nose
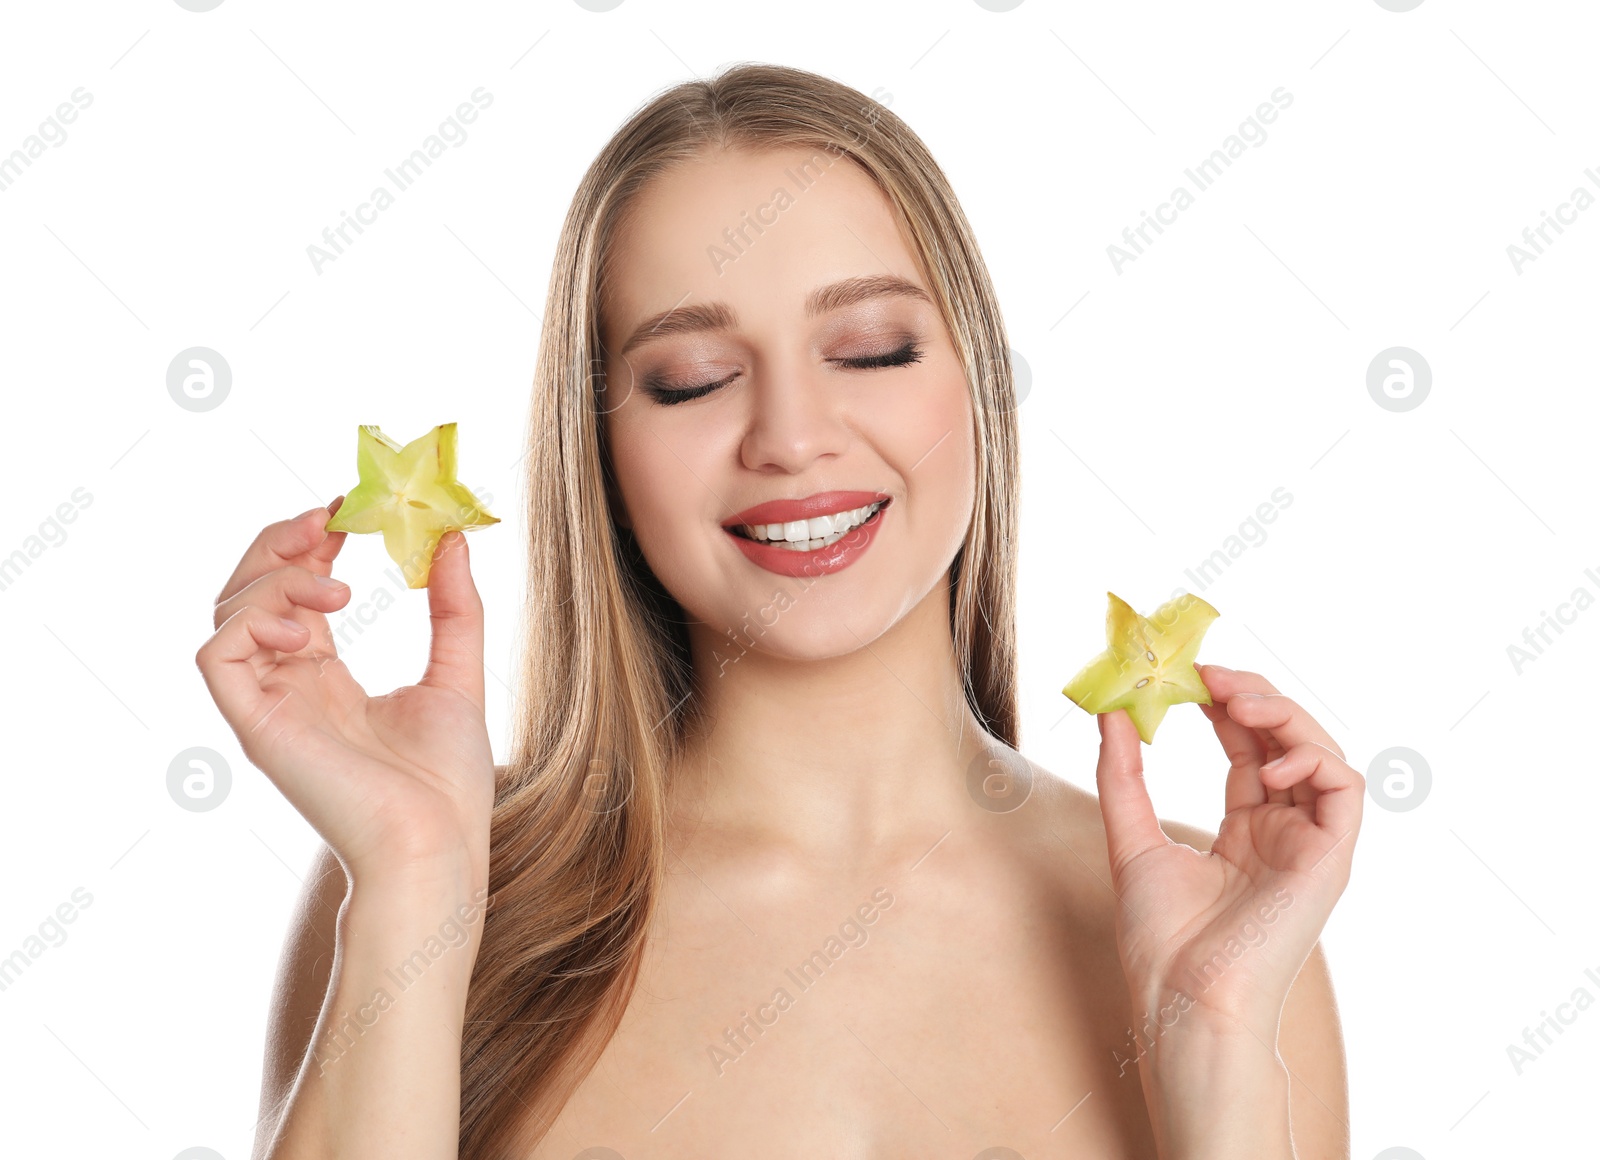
pixel 794 420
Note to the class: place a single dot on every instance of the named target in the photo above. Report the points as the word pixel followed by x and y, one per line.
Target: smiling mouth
pixel 813 534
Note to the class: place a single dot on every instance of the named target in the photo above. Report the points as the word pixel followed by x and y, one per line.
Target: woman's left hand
pixel 1214 940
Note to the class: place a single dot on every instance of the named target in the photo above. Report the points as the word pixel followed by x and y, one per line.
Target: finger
pixel 1237 707
pixel 286 542
pixel 1130 819
pixel 1247 749
pixel 1305 796
pixel 1245 755
pixel 1228 687
pixel 322 555
pixel 226 661
pixel 455 656
pixel 1336 787
pixel 1282 719
pixel 1225 683
pixel 284 589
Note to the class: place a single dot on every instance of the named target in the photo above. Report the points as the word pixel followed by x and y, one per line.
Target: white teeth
pixel 809 535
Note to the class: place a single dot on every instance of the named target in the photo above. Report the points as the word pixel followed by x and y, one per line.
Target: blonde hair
pixel 577 850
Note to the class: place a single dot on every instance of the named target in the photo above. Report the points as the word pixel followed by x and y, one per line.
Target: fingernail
pixel 1247 694
pixel 1219 668
pixel 294 624
pixel 1273 764
pixel 307 512
pixel 330 582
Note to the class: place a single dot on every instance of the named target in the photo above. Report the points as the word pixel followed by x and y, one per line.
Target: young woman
pixel 743 887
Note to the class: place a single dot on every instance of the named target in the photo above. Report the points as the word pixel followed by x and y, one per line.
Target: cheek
pixel 932 435
pixel 660 474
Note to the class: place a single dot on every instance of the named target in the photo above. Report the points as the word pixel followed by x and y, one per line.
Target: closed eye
pixel 905 356
pixel 669 393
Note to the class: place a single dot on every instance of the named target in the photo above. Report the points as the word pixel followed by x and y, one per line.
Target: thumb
pixel 455 656
pixel 1131 825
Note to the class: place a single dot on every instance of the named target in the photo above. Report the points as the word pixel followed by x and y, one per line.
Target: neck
pixel 847 759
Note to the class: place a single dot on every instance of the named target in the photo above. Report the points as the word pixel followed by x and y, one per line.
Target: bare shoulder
pixel 1073 811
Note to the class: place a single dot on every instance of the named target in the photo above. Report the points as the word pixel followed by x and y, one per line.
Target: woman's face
pixel 772 296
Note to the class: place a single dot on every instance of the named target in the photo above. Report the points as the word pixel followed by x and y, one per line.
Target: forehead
pixel 756 230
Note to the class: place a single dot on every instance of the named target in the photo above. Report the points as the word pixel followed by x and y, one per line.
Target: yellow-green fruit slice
pixel 411 495
pixel 1148 665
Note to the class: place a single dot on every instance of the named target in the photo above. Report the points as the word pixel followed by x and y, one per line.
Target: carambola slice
pixel 1148 665
pixel 411 495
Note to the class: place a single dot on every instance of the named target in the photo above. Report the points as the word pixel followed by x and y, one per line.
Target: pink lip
pixel 783 511
pixel 836 556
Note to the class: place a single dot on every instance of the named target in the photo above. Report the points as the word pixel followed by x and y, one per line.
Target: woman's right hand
pixel 397 784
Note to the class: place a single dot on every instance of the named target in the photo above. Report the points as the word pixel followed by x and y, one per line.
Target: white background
pixel 1165 403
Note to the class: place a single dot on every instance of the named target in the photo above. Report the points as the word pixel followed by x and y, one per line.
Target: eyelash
pixel 668 395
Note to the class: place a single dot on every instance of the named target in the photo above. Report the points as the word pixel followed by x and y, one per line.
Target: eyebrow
pixel 720 316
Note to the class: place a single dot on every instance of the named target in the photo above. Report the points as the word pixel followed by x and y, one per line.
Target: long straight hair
pixel 578 837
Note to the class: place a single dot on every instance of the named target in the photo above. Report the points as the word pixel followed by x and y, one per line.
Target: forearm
pixel 1215 1094
pixel 382 1074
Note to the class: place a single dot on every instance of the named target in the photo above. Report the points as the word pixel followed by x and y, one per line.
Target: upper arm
pixel 1310 1044
pixel 304 970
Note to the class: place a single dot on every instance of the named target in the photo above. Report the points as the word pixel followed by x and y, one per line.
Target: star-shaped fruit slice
pixel 1148 665
pixel 411 495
